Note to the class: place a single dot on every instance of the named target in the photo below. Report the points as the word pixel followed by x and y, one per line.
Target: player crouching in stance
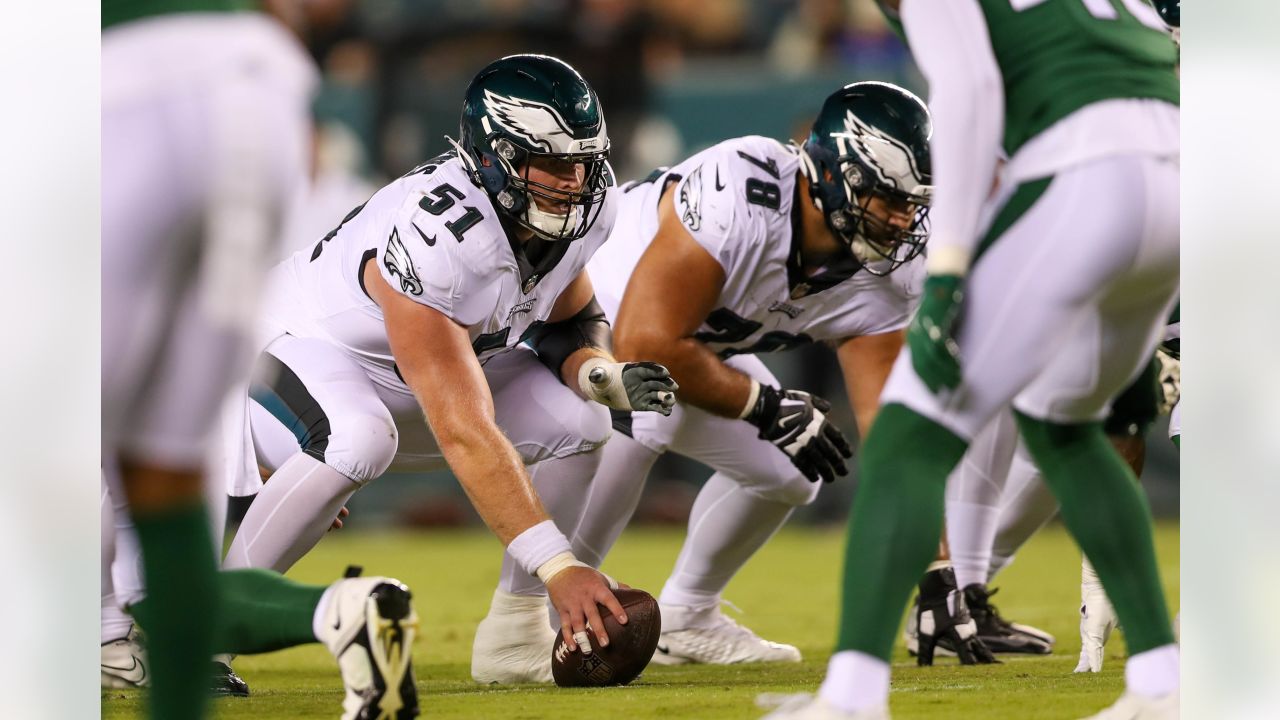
pixel 457 292
pixel 749 247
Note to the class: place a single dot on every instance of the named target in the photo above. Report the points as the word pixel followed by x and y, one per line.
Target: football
pixel 630 646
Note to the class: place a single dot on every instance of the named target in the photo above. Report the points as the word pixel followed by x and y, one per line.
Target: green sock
pixel 264 611
pixel 182 601
pixel 1177 441
pixel 1107 514
pixel 895 524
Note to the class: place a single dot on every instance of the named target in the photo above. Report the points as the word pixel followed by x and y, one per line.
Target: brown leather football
pixel 630 646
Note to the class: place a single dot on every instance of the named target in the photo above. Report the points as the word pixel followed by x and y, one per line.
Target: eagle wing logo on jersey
pixel 891 159
pixel 400 265
pixel 538 123
pixel 691 199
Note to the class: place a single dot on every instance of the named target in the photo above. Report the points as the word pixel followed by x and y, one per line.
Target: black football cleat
pixel 943 622
pixel 998 634
pixel 224 682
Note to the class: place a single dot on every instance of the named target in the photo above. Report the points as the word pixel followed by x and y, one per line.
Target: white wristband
pixel 557 565
pixel 535 546
pixel 947 260
pixel 751 400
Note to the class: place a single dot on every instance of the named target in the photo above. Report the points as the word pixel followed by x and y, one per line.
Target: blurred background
pixel 673 77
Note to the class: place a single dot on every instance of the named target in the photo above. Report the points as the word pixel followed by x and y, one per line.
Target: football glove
pixel 931 335
pixel 644 386
pixel 1097 620
pixel 796 422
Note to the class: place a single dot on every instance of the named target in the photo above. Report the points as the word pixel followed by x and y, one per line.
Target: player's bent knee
pixel 364 448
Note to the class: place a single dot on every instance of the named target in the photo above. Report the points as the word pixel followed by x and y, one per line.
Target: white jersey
pixel 436 239
pixel 738 201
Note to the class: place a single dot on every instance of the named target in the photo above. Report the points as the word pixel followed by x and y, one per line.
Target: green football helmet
pixel 524 107
pixel 871 142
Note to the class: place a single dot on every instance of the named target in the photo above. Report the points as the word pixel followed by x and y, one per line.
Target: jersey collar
pixel 835 272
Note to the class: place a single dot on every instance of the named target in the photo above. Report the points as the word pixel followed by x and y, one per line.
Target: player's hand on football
pixel 931 335
pixel 575 592
pixel 643 386
pixel 796 422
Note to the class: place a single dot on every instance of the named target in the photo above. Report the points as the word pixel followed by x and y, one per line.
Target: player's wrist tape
pixel 751 400
pixel 557 565
pixel 534 547
pixel 613 394
pixel 947 260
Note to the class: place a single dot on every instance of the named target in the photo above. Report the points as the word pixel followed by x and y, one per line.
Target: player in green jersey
pixel 1050 296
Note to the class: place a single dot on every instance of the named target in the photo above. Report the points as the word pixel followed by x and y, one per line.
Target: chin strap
pixel 551 223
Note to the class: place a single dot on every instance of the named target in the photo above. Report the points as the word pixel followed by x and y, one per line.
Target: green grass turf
pixel 788 593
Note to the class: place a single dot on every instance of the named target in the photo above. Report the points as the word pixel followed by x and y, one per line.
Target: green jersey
pixel 115 12
pixel 1057 56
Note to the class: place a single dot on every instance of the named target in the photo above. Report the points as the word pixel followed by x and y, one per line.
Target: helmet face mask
pixel 522 115
pixel 867 161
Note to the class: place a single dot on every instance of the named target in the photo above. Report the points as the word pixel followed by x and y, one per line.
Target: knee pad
pixel 362 447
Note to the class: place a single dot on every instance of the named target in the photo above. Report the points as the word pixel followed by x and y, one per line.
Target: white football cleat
pixel 124 662
pixel 369 625
pixel 513 642
pixel 708 636
pixel 1097 620
pixel 803 706
pixel 1137 707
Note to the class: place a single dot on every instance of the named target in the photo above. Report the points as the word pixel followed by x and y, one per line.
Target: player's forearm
pixel 493 476
pixel 950 44
pixel 707 382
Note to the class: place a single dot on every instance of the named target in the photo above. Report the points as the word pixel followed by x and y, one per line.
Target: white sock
pixel 115 622
pixel 727 525
pixel 292 512
pixel 974 490
pixel 856 681
pixel 318 621
pixel 1026 506
pixel 562 484
pixel 1153 673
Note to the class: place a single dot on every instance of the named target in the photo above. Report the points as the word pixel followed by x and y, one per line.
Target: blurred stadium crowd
pixel 674 76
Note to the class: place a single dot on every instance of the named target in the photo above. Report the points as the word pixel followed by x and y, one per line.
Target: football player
pixel 457 293
pixel 204 127
pixel 750 247
pixel 1050 296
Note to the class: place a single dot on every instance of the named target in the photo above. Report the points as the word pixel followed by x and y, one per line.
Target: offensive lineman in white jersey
pixel 752 246
pixel 457 291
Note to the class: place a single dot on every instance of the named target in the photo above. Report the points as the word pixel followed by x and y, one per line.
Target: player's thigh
pixel 1118 332
pixel 1053 248
pixel 195 175
pixel 734 448
pixel 541 416
pixel 326 401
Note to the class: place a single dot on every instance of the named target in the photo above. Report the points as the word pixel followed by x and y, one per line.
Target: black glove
pixel 796 422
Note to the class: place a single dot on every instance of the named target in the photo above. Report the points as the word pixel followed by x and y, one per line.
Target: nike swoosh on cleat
pixel 124 672
pixel 430 241
pixel 719 185
pixel 664 651
pixel 337 602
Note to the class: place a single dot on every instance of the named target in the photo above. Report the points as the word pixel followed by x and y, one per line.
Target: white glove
pixel 1097 620
pixel 628 386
